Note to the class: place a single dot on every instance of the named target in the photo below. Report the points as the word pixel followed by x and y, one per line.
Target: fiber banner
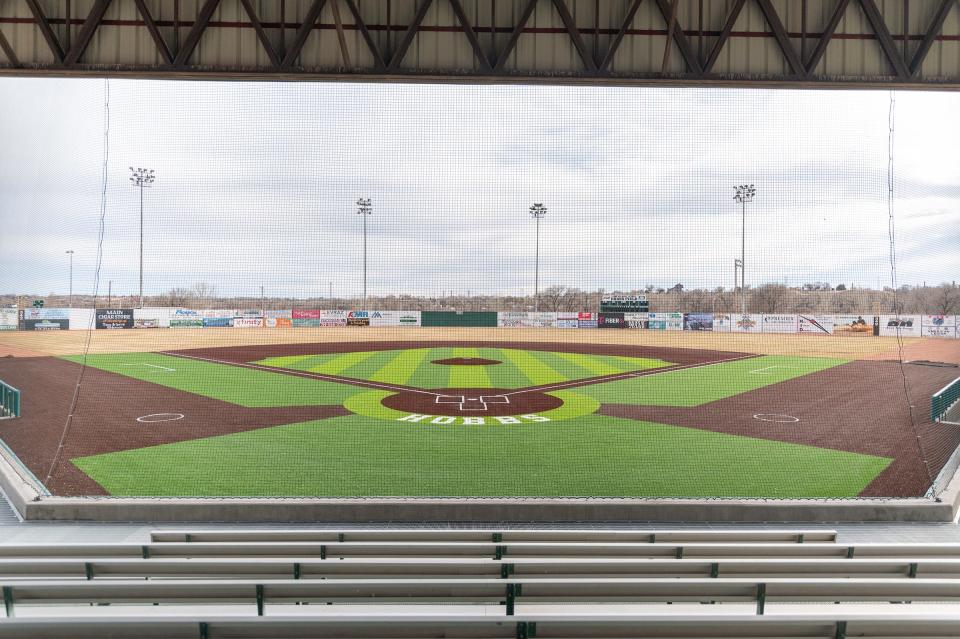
pixel 611 320
pixel 779 324
pixel 749 323
pixel 900 325
pixel 938 326
pixel 114 318
pixel 853 324
pixel 8 319
pixel 819 324
pixel 698 321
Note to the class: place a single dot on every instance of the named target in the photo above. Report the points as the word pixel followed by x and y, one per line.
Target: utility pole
pixel 70 303
pixel 744 193
pixel 142 178
pixel 263 307
pixel 537 211
pixel 110 294
pixel 364 209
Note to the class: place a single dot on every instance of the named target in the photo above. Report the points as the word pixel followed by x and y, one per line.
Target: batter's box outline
pixel 472 403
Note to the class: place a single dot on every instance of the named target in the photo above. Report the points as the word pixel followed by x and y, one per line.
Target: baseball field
pixel 474 413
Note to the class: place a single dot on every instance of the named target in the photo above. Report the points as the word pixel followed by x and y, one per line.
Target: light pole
pixel 70 253
pixel 364 209
pixel 141 178
pixel 537 211
pixel 744 194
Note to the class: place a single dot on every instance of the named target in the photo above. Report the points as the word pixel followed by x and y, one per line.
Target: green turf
pixel 415 367
pixel 241 386
pixel 696 386
pixel 594 456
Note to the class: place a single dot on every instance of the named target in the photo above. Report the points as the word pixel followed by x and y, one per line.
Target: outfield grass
pixel 696 386
pixel 414 367
pixel 241 386
pixel 594 456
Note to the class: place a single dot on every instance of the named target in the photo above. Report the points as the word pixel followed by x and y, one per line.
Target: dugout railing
pixel 9 401
pixel 944 399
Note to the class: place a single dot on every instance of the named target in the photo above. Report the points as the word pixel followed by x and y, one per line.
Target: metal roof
pixel 850 43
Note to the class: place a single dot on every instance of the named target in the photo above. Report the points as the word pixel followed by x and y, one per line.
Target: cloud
pixel 257 183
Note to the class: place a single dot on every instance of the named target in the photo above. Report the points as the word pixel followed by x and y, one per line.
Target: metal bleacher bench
pixel 481 583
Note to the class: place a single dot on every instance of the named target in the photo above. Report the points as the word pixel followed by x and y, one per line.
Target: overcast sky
pixel 257 183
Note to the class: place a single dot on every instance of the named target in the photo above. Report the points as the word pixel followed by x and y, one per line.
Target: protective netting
pixel 478 291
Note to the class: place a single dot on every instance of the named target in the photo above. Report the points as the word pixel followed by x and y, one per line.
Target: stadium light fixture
pixel 70 303
pixel 141 178
pixel 364 209
pixel 537 211
pixel 743 193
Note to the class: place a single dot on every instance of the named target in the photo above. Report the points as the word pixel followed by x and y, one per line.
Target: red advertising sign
pixel 586 316
pixel 306 314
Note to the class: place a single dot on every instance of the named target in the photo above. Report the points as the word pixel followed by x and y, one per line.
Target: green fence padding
pixel 9 401
pixel 942 400
pixel 466 318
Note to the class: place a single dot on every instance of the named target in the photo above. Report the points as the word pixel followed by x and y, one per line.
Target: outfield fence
pixel 9 401
pixel 937 326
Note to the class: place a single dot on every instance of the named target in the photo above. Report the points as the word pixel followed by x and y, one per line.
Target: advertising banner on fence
pixel 818 324
pixel 902 325
pixel 81 319
pixel 249 313
pixel 306 322
pixel 749 323
pixel 566 319
pixel 305 314
pixel 8 319
pixel 248 322
pixel 185 318
pixel 636 320
pixel 511 319
pixel 611 320
pixel 278 322
pixel 853 324
pixel 45 325
pixel 45 314
pixel 779 324
pixel 114 318
pixel 151 317
pixel 698 321
pixel 586 320
pixel 286 314
pixel 409 318
pixel 722 322
pixel 358 321
pixel 938 326
pixel 331 319
pixel 217 322
pixel 665 321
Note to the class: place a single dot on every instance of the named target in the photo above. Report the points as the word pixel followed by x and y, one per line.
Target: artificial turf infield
pixel 576 453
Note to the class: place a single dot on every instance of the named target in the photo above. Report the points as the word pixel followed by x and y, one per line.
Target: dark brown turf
pixel 498 406
pixel 106 415
pixel 858 407
pixel 466 361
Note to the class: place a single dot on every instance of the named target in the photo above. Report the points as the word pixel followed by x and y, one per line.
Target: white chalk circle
pixel 160 417
pixel 774 417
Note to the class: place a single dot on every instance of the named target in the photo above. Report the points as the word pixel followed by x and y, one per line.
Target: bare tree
pixel 202 292
pixel 770 298
pixel 946 299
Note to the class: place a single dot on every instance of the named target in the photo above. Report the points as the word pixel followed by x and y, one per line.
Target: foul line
pixel 308 375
